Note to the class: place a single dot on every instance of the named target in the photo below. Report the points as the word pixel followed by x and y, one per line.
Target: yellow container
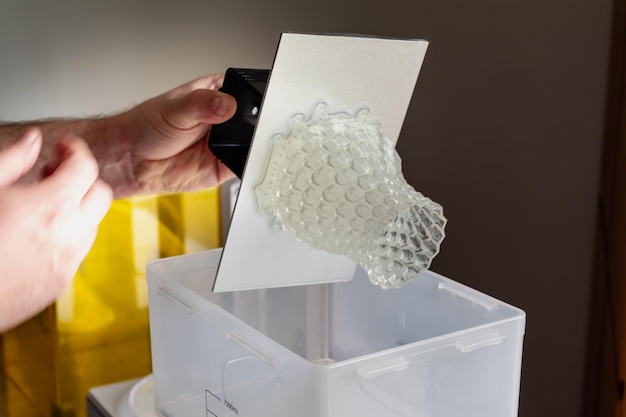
pixel 97 331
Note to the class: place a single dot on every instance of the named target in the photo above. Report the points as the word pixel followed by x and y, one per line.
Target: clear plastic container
pixel 434 348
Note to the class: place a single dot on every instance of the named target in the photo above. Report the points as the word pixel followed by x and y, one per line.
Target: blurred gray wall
pixel 505 128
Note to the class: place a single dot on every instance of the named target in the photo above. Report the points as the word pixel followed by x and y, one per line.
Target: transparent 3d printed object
pixel 336 182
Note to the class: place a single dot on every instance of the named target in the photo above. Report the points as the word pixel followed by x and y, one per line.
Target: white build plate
pixel 347 72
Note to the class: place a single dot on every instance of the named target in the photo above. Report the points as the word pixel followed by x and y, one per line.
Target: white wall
pixel 505 128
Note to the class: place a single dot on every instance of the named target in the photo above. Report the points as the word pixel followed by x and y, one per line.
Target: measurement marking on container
pixel 213 401
pixel 209 397
pixel 231 407
pixel 218 398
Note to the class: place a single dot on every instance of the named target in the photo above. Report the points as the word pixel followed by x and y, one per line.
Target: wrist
pixel 109 139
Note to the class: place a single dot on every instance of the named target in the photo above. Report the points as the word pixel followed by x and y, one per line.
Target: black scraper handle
pixel 230 141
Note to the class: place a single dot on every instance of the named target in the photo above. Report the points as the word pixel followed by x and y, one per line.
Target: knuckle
pixel 81 155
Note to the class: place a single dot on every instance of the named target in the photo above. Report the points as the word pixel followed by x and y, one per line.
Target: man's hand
pixel 47 227
pixel 159 146
pixel 54 193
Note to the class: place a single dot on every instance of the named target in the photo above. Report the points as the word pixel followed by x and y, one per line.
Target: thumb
pixel 199 107
pixel 19 158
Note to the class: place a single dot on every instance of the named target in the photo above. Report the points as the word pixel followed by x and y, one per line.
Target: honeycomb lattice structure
pixel 335 181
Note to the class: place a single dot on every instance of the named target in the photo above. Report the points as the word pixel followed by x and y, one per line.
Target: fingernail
pixel 29 138
pixel 220 106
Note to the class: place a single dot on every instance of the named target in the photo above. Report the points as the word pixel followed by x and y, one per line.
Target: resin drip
pixel 336 182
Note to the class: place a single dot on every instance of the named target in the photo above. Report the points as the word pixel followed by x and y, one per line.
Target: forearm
pixel 104 135
pixel 157 146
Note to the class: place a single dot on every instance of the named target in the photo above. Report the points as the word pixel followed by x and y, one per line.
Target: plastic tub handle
pixel 176 298
pixel 478 342
pixel 242 339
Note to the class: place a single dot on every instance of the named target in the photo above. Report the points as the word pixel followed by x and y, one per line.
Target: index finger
pixel 207 82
